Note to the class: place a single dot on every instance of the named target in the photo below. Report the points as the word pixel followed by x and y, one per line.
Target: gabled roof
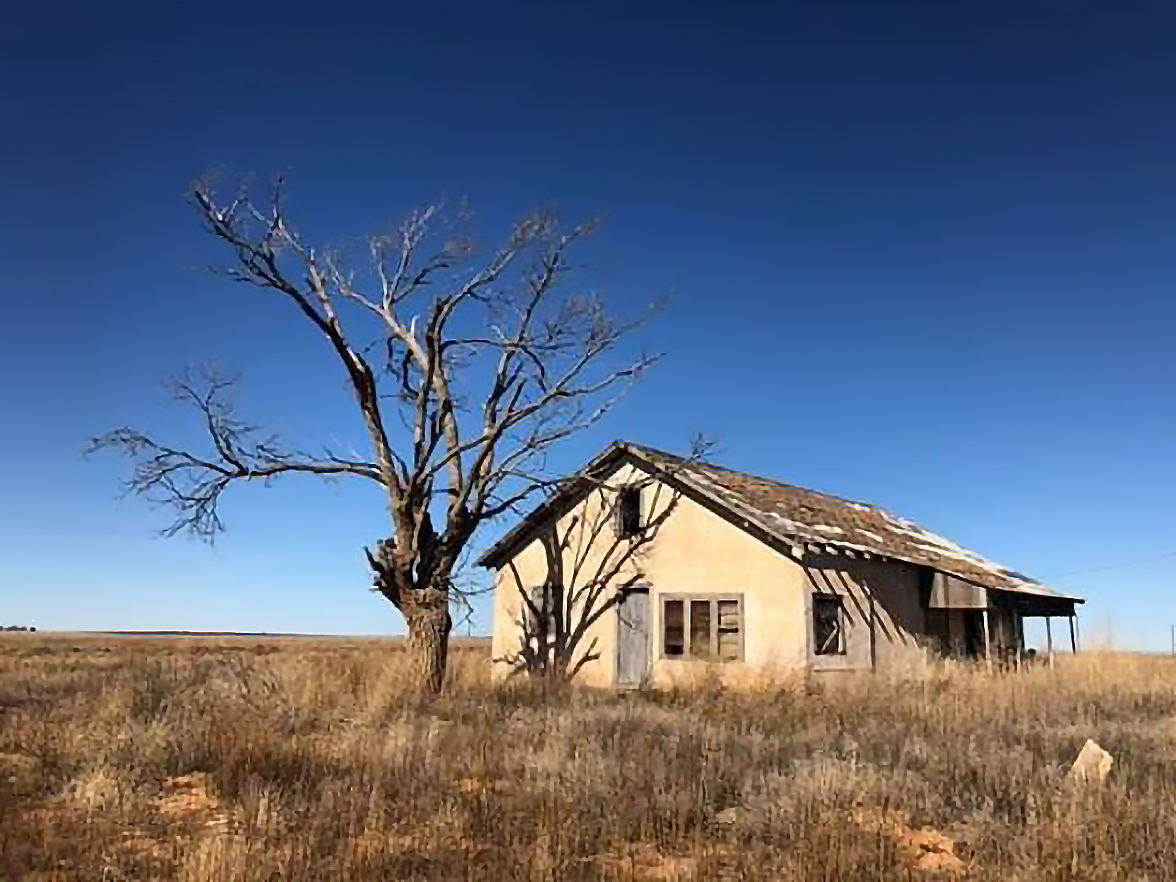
pixel 792 514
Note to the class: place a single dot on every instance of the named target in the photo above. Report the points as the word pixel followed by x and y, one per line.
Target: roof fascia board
pixel 554 507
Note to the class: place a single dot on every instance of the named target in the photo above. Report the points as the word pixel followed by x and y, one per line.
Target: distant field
pixel 186 640
pixel 256 758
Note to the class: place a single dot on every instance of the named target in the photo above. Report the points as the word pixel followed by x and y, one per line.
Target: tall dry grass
pixel 252 761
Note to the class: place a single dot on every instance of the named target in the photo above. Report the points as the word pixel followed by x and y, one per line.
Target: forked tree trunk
pixel 426 611
pixel 428 646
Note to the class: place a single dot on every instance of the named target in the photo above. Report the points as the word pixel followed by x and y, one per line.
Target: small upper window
pixel 629 512
pixel 828 625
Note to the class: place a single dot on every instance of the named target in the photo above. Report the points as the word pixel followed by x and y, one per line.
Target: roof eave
pixel 796 538
pixel 1041 592
pixel 493 556
pixel 497 553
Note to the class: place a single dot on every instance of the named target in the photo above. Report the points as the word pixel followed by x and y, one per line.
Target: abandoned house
pixel 652 568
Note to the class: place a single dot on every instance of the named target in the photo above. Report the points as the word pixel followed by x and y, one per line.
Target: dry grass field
pixel 248 760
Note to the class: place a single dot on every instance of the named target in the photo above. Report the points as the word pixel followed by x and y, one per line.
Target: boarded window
pixel 674 625
pixel 828 625
pixel 629 512
pixel 705 628
pixel 730 639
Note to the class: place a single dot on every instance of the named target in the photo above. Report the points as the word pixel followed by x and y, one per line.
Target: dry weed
pixel 247 760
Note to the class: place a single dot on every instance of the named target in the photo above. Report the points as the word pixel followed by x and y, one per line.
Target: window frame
pixel 714 600
pixel 843 636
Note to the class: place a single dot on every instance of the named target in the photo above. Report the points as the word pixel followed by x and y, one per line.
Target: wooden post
pixel 873 645
pixel 987 641
pixel 1049 641
pixel 1073 633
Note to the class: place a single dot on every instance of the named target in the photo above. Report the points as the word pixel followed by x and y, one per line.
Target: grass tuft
pixel 246 760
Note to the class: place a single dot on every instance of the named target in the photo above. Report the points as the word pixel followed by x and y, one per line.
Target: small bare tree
pixel 592 563
pixel 466 366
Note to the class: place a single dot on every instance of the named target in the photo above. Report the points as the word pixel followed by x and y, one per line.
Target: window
pixel 629 512
pixel 729 626
pixel 828 625
pixel 673 629
pixel 700 629
pixel 703 628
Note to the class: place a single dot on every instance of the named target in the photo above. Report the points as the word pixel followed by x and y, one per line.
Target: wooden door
pixel 633 644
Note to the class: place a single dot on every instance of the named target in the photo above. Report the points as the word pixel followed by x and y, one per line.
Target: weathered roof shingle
pixel 808 516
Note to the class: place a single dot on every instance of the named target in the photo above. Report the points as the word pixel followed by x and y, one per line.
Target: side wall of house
pixel 574 550
pixel 883 610
pixel 698 552
pixel 693 552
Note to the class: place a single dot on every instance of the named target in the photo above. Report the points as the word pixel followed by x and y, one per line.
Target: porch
pixel 972 621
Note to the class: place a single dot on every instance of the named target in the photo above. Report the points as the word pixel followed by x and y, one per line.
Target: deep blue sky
pixel 924 254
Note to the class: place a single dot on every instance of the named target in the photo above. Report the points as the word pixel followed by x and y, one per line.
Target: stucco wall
pixel 584 536
pixel 694 551
pixel 886 592
pixel 700 552
pixel 697 551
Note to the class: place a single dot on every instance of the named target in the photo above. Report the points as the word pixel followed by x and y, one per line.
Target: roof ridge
pixel 789 512
pixel 714 465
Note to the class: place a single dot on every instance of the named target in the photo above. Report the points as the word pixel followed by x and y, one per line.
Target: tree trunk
pixel 428 646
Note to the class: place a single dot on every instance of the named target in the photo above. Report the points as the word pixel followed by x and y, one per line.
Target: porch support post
pixel 1073 633
pixel 987 641
pixel 1049 640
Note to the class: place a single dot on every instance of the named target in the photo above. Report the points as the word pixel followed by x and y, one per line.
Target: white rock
pixel 1093 764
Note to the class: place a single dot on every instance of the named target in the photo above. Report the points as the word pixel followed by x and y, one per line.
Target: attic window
pixel 828 625
pixel 629 512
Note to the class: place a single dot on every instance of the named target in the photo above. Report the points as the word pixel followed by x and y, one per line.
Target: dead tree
pixel 593 560
pixel 466 365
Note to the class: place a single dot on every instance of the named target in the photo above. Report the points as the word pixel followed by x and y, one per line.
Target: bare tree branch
pixel 192 484
pixel 486 359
